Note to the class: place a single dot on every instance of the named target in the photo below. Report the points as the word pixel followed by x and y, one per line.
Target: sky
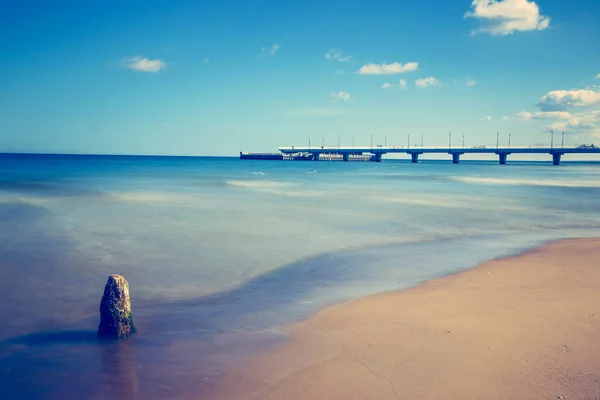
pixel 218 77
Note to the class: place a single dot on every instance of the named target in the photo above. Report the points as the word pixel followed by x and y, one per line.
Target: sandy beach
pixel 524 327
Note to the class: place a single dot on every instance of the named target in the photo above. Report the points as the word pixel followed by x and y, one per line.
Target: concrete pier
pixel 556 158
pixel 502 157
pixel 376 153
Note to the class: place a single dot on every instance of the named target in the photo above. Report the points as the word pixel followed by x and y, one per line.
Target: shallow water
pixel 222 253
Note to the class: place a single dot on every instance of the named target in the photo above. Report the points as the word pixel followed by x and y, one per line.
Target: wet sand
pixel 524 327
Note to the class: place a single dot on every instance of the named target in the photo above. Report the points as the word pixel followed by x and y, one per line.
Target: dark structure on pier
pixel 376 153
pixel 261 156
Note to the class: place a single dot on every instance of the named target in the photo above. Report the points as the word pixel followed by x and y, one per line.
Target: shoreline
pixel 486 332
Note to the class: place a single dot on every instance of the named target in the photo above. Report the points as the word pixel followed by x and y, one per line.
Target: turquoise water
pixel 222 253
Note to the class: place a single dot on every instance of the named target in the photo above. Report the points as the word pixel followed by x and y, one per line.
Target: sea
pixel 223 254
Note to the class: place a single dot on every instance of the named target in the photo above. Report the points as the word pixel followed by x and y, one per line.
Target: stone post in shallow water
pixel 115 309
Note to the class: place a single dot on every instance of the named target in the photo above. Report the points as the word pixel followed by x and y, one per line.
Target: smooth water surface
pixel 222 253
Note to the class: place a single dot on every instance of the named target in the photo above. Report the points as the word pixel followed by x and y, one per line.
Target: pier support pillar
pixel 315 156
pixel 345 156
pixel 377 157
pixel 455 158
pixel 414 157
pixel 556 158
pixel 502 157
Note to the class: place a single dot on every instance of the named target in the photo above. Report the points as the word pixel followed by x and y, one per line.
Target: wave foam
pixel 145 197
pixel 531 182
pixel 274 187
pixel 258 184
pixel 447 201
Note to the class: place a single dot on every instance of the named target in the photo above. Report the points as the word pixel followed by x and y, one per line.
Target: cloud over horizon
pixel 504 17
pixel 561 100
pixel 558 104
pixel 271 50
pixel 145 65
pixel 544 115
pixel 336 55
pixel 586 124
pixel 388 69
pixel 425 82
pixel 401 84
pixel 345 96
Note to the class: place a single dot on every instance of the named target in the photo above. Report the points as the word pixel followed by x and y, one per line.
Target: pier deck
pixel 378 151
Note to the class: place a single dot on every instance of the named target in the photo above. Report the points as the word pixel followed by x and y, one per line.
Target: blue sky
pixel 214 78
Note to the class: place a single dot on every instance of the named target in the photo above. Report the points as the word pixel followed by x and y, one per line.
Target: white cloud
pixel 471 82
pixel 505 118
pixel 336 55
pixel 585 124
pixel 524 115
pixel 340 96
pixel 560 100
pixel 424 82
pixel 544 115
pixel 503 17
pixel 555 105
pixel 145 65
pixel 401 84
pixel 206 60
pixel 388 69
pixel 318 112
pixel 488 118
pixel 271 50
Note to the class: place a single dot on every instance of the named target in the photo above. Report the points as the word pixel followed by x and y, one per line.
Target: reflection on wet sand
pixel 119 370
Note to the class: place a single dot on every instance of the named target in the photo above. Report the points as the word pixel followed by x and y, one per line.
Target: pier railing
pixel 336 149
pixel 377 151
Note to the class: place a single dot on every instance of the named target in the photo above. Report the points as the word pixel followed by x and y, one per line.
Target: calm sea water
pixel 222 253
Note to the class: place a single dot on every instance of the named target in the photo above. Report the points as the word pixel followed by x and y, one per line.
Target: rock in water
pixel 115 309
